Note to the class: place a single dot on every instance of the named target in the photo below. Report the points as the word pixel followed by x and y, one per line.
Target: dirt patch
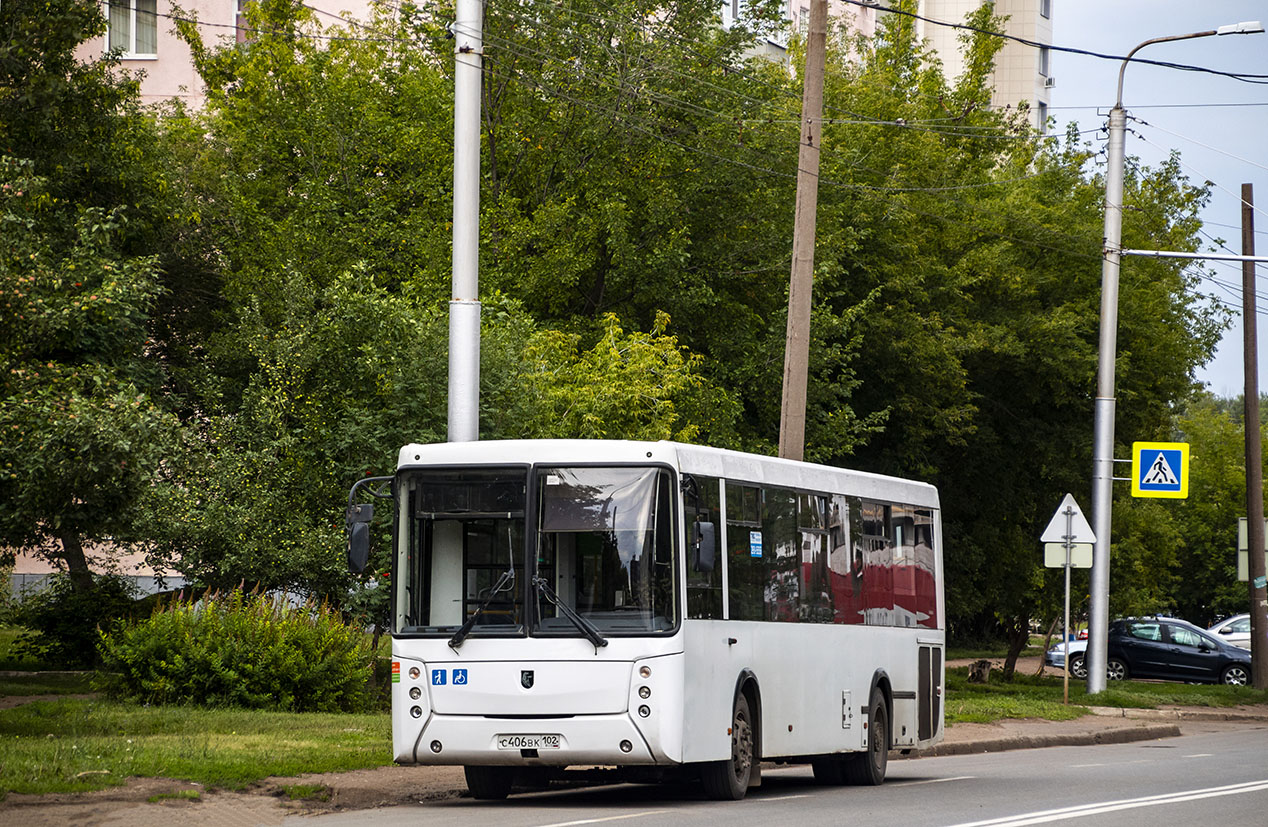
pixel 267 802
pixel 10 701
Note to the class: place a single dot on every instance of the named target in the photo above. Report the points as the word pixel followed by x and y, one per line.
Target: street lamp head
pixel 1248 27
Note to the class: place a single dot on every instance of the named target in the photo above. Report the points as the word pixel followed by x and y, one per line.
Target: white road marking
pixel 606 818
pixel 930 781
pixel 1046 816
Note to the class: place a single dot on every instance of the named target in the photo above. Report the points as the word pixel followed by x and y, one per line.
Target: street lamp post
pixel 1103 417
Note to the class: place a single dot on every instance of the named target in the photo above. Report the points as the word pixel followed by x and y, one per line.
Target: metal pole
pixel 1069 543
pixel 1103 416
pixel 1254 452
pixel 464 308
pixel 792 417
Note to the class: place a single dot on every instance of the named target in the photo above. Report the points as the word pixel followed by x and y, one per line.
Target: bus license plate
pixel 528 741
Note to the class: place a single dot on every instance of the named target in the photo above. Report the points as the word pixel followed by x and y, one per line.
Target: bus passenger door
pixel 929 692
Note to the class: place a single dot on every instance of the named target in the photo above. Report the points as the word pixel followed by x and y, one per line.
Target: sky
pixel 1224 144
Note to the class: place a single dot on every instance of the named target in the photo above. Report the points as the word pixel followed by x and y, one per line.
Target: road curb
pixel 1120 735
pixel 1188 714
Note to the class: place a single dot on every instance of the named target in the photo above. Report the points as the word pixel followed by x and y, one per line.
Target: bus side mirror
pixel 705 546
pixel 359 517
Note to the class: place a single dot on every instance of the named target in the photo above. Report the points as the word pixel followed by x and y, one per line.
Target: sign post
pixel 1068 541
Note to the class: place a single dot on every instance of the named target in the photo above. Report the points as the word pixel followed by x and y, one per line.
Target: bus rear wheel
pixel 489 783
pixel 868 768
pixel 727 780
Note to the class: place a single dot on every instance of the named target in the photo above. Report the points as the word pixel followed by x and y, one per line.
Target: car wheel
pixel 1235 675
pixel 489 783
pixel 727 780
pixel 868 768
pixel 1115 670
pixel 1077 667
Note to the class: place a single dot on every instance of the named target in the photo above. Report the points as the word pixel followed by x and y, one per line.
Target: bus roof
pixel 689 459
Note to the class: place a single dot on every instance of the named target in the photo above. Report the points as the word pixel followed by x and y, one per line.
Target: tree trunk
pixel 1018 633
pixel 76 562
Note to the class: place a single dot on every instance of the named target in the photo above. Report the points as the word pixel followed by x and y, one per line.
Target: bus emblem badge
pixel 526 678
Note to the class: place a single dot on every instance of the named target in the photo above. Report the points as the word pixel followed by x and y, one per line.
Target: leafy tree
pixel 83 434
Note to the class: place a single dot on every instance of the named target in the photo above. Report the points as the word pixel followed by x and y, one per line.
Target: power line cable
pixel 1241 76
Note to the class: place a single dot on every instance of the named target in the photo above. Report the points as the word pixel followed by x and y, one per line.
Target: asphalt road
pixel 1217 777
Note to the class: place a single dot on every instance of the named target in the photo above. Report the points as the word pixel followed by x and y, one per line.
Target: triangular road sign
pixel 1068 520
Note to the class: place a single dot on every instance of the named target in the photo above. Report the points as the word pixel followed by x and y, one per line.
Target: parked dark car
pixel 1169 649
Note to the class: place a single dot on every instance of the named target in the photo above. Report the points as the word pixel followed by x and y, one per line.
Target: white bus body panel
pixel 808 676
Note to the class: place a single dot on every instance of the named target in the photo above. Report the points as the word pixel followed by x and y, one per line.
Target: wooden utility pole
pixel 792 417
pixel 1254 454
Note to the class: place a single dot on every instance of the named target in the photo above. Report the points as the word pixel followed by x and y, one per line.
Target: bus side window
pixel 782 587
pixel 746 552
pixel 704 582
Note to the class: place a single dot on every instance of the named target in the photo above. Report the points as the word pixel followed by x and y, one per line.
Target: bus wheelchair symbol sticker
pixel 460 677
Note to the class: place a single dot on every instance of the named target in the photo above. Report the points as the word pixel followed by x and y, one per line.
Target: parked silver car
pixel 1077 649
pixel 1234 630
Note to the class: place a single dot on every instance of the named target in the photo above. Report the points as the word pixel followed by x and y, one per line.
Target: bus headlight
pixel 644 710
pixel 415 692
pixel 645 671
pixel 414 673
pixel 416 712
pixel 644 692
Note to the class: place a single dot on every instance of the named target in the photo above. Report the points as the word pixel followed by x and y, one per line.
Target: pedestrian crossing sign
pixel 1160 469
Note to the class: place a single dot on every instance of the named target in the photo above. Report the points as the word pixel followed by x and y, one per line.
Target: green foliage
pixel 63 621
pixel 83 433
pixel 242 650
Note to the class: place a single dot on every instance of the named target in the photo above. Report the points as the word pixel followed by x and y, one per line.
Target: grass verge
pixel 43 683
pixel 65 745
pixel 1030 696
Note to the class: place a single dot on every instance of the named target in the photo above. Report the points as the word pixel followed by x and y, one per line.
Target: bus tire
pixel 489 783
pixel 727 780
pixel 868 768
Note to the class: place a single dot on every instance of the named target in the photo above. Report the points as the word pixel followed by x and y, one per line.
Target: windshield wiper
pixel 465 629
pixel 587 628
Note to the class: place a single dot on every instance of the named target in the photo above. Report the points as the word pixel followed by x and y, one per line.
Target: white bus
pixel 659 608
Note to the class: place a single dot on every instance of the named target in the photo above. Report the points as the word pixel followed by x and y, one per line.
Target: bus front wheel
pixel 868 768
pixel 727 780
pixel 489 783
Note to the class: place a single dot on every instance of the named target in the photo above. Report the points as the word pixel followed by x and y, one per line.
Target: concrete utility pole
pixel 1103 417
pixel 1254 453
pixel 792 417
pixel 464 308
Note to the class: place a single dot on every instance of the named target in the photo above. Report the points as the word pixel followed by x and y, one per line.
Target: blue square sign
pixel 1160 469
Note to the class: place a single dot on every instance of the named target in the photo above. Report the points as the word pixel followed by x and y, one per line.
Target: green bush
pixel 241 650
pixel 63 622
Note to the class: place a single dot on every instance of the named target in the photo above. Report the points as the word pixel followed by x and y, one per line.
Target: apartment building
pixel 145 31
pixel 1022 73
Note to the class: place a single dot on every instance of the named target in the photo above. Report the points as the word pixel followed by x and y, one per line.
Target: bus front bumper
pixel 474 739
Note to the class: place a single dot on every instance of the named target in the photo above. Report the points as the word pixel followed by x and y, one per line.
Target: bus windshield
pixel 462 558
pixel 603 561
pixel 605 547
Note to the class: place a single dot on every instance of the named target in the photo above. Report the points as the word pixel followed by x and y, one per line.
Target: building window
pixel 803 20
pixel 1044 56
pixel 1041 116
pixel 1045 8
pixel 133 27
